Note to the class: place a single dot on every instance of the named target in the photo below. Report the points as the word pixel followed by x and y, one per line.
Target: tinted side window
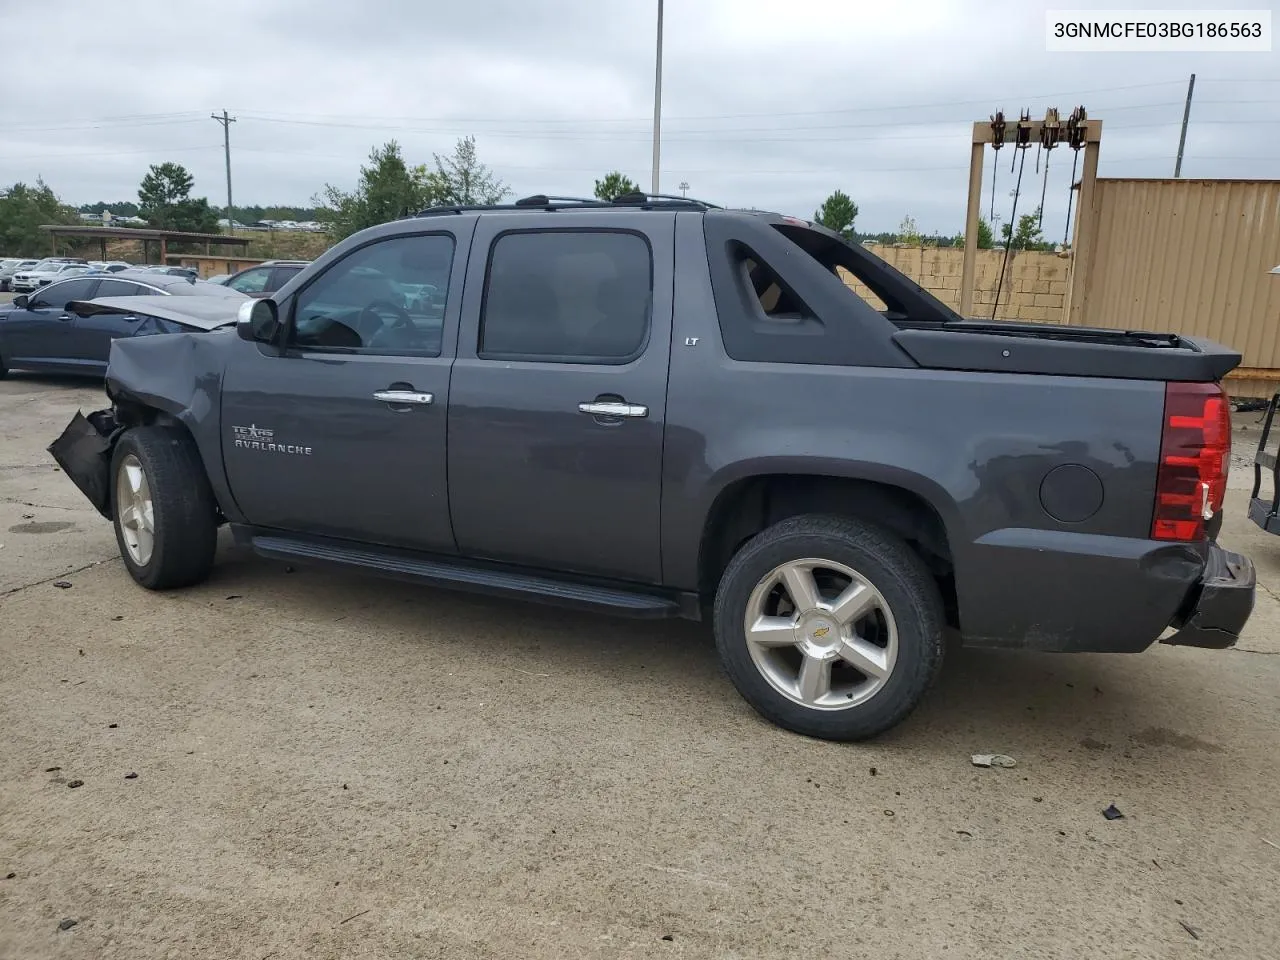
pixel 119 288
pixel 384 298
pixel 282 275
pixel 568 296
pixel 251 281
pixel 59 294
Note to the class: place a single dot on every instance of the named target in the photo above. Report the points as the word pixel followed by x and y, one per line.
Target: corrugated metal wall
pixel 1192 257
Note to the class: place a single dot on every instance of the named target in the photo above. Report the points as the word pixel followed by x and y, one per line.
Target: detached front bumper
pixel 1219 605
pixel 83 450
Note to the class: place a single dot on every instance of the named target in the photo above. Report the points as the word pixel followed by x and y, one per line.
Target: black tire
pixel 881 559
pixel 184 511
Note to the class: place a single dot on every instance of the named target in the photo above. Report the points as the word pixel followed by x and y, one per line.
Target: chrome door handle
pixel 403 396
pixel 605 408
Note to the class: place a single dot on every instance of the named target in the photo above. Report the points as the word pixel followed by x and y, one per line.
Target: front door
pixel 559 393
pixel 341 431
pixel 43 333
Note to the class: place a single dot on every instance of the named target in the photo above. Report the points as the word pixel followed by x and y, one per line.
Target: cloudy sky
pixel 766 103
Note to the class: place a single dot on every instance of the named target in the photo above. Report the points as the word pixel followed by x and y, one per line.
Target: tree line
pixel 244 214
pixel 389 187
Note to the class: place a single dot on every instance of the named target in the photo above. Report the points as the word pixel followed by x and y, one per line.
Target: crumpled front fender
pixel 173 376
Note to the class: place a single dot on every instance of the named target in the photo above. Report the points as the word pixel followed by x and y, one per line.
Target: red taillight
pixel 1195 449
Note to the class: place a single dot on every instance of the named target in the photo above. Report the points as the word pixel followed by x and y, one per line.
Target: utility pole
pixel 1182 138
pixel 657 103
pixel 226 122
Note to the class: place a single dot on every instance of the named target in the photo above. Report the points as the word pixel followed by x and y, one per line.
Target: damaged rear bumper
pixel 83 451
pixel 1220 604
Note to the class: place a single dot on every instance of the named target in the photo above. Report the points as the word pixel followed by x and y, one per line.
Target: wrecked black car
pixel 658 408
pixel 68 327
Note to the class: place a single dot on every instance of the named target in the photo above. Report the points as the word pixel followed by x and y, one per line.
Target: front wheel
pixel 164 512
pixel 829 627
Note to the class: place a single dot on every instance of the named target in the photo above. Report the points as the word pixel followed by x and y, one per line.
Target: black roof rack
pixel 639 198
pixel 541 201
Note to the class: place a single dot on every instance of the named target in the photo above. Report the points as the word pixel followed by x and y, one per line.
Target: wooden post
pixel 164 252
pixel 1084 233
pixel 102 245
pixel 971 220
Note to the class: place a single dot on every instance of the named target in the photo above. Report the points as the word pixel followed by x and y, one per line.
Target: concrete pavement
pixel 331 766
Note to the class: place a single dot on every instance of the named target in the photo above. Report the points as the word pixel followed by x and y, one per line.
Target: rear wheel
pixel 164 512
pixel 829 627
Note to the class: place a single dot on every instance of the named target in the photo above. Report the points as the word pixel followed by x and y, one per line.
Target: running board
pixel 463 575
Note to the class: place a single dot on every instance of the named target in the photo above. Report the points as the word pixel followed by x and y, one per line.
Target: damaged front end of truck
pixel 173 378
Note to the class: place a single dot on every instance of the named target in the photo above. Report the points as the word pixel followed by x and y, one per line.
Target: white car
pixel 9 267
pixel 109 266
pixel 44 273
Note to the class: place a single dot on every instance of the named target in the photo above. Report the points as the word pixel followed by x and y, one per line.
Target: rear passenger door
pixel 558 397
pixel 92 336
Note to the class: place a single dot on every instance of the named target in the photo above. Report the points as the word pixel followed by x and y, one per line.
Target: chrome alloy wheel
pixel 134 510
pixel 821 634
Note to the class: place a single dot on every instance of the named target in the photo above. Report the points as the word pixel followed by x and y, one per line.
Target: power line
pixel 78 154
pixel 749 171
pixel 373 123
pixel 709 136
pixel 188 116
pixel 101 125
pixel 739 116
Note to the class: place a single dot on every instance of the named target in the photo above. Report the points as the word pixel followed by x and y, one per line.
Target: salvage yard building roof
pixel 144 234
pixel 141 233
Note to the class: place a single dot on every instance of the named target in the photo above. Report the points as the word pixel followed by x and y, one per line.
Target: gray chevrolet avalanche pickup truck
pixel 660 408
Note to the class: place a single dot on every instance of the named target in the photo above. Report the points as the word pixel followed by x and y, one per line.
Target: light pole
pixel 684 188
pixel 657 103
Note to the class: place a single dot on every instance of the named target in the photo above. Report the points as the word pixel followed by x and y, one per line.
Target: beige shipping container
pixel 1192 257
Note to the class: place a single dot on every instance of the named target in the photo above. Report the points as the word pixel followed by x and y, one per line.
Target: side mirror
pixel 21 301
pixel 258 321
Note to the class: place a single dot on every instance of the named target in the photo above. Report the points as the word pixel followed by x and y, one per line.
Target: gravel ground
pixel 334 767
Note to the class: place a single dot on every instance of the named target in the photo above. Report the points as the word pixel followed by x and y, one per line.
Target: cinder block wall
pixel 1034 288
